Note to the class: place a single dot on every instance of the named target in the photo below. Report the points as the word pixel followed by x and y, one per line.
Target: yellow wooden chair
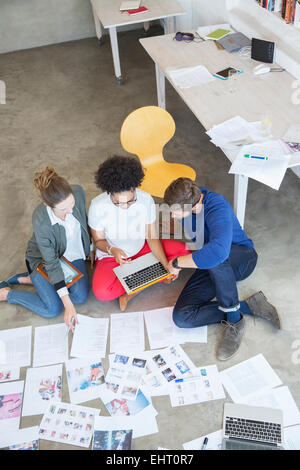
pixel 144 133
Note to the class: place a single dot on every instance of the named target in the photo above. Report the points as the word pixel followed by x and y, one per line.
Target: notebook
pixel 137 10
pixel 130 5
pixel 218 34
pixel 235 42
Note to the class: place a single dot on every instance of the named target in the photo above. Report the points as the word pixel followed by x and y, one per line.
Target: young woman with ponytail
pixel 59 229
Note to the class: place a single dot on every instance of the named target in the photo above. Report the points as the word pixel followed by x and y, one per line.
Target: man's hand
pixel 120 256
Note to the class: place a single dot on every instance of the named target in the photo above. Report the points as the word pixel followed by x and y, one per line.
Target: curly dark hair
pixel 118 174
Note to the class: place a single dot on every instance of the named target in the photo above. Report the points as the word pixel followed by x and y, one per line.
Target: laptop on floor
pixel 252 428
pixel 141 273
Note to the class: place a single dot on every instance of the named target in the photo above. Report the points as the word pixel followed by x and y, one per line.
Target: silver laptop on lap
pixel 252 428
pixel 141 273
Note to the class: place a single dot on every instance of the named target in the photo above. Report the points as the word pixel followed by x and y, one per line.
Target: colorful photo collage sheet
pixel 125 375
pixel 85 379
pixel 11 397
pixel 119 439
pixel 68 424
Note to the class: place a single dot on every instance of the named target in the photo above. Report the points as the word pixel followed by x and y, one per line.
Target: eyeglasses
pixel 125 203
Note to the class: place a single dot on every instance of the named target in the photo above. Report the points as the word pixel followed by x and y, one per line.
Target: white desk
pixel 256 98
pixel 107 15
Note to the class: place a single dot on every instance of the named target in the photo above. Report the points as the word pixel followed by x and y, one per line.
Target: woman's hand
pixel 172 270
pixel 120 256
pixel 70 317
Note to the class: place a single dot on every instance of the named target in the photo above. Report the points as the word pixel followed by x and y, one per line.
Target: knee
pixel 81 296
pixel 54 310
pixel 179 317
pixel 100 293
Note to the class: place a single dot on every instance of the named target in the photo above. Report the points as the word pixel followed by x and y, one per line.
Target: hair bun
pixel 42 179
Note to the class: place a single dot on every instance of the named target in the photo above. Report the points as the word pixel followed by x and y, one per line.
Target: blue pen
pixel 257 158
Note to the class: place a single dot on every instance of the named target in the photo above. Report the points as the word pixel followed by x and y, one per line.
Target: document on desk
pixel 292 438
pixel 15 347
pixel 127 332
pixel 204 386
pixel 50 345
pixel 203 31
pixel 235 132
pixel 187 77
pixel 278 398
pixel 249 378
pixel 214 442
pixel 43 386
pixel 90 337
pixel 265 162
pixel 163 332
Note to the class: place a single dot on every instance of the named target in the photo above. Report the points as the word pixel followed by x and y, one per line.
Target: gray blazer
pixel 48 242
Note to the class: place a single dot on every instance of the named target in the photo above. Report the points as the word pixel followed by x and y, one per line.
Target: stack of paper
pixel 163 332
pixel 187 77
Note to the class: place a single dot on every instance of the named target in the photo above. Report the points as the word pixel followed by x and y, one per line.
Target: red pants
pixel 106 285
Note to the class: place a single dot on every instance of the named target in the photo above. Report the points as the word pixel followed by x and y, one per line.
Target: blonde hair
pixel 53 189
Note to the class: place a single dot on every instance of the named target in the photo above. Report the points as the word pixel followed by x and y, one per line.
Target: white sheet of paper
pixel 187 77
pixel 121 407
pixel 11 397
pixel 292 438
pixel 207 388
pixel 50 345
pixel 85 379
pixel 127 332
pixel 90 337
pixel 22 439
pixel 142 424
pixel 205 30
pixel 15 346
pixel 9 373
pixel 69 424
pixel 269 171
pixel 248 378
pixel 235 131
pixel 214 442
pixel 43 385
pixel 125 375
pixel 292 134
pixel 162 331
pixel 278 398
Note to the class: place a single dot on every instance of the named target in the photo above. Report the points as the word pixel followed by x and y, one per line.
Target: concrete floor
pixel 64 108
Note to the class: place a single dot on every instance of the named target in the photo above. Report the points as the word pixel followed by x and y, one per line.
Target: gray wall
pixel 31 23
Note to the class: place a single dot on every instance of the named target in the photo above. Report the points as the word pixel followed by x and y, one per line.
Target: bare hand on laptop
pixel 120 256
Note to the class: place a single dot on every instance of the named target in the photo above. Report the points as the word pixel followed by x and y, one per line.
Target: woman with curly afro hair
pixel 123 224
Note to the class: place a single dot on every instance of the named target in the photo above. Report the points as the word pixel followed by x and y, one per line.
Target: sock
pixel 245 308
pixel 234 317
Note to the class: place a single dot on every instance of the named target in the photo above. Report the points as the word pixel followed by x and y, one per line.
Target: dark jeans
pixel 194 306
pixel 46 302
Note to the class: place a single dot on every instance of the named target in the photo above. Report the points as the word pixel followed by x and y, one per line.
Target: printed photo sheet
pixel 85 379
pixel 125 375
pixel 121 407
pixel 68 424
pixel 11 397
pixel 164 366
pixel 22 439
pixel 43 385
pixel 127 332
pixel 205 386
pixel 9 373
pixel 112 439
pixel 162 331
pixel 90 337
pixel 50 345
pixel 142 424
pixel 15 347
pixel 248 378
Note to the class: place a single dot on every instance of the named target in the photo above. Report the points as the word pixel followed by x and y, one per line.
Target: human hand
pixel 120 256
pixel 172 270
pixel 70 317
pixel 92 259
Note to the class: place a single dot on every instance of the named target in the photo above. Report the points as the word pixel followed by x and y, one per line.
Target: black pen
pixel 204 445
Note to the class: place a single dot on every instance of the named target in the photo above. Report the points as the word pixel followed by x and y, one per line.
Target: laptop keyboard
pixel 253 430
pixel 144 276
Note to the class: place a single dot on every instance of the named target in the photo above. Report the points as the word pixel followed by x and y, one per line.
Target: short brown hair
pixel 53 189
pixel 182 191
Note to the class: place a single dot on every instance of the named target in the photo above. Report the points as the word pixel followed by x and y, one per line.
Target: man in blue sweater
pixel 227 256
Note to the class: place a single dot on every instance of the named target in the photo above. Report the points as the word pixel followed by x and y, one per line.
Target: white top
pixel 72 227
pixel 123 228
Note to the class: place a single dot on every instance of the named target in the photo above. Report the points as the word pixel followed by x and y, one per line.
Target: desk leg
pixel 240 197
pixel 161 87
pixel 169 25
pixel 98 27
pixel 115 53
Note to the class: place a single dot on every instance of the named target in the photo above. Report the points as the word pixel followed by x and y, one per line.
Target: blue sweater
pixel 221 230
